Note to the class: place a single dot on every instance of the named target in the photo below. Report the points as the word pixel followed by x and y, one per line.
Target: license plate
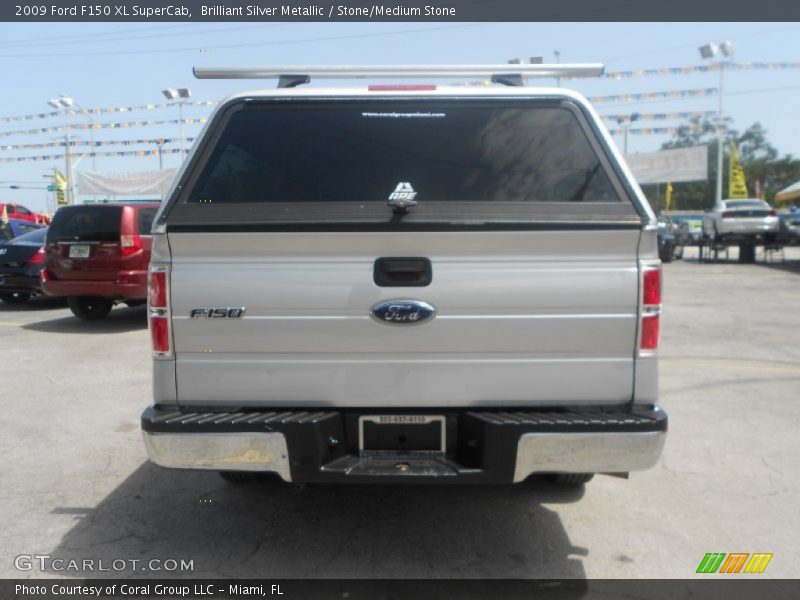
pixel 401 433
pixel 78 251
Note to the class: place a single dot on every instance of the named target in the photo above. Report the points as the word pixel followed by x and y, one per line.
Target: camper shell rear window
pixel 464 162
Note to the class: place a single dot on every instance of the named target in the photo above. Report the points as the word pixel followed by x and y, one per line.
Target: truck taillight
pixel 129 244
pixel 159 332
pixel 651 308
pixel 159 311
pixel 158 289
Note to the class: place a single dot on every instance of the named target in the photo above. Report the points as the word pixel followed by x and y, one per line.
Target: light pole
pixel 180 97
pixel 558 62
pixel 625 123
pixel 709 52
pixel 159 144
pixel 65 103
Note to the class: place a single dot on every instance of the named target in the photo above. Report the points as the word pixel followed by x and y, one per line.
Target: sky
pixel 123 64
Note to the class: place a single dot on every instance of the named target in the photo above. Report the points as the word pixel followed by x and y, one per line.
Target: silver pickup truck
pixel 405 283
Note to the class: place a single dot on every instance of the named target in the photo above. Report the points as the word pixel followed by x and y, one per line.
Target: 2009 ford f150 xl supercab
pixel 405 283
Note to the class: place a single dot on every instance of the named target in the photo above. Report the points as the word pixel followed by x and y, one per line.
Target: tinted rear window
pixel 460 160
pixel 145 217
pixel 86 223
pixel 32 237
pixel 738 204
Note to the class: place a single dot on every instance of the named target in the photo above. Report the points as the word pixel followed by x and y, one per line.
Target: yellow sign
pixel 737 188
pixel 668 197
pixel 61 185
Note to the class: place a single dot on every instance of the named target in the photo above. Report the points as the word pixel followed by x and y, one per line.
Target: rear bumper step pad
pixel 483 446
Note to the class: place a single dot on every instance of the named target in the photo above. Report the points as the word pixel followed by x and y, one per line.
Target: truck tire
pixel 571 479
pixel 90 308
pixel 15 297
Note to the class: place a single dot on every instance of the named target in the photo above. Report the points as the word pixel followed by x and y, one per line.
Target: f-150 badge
pixel 403 312
pixel 218 312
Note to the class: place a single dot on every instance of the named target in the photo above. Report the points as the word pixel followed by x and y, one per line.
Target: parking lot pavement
pixel 76 484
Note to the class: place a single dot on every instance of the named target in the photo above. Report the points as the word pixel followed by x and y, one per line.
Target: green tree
pixel 760 160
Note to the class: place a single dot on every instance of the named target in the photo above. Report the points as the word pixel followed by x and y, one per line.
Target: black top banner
pixel 394 10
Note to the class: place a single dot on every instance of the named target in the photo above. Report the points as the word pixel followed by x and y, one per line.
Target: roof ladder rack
pixel 292 76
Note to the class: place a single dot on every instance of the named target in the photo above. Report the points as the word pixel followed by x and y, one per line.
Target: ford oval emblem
pixel 403 312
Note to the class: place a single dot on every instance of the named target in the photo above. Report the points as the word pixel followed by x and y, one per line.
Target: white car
pixel 749 217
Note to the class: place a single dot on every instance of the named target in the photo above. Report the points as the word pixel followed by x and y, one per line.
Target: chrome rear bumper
pixel 587 452
pixel 246 451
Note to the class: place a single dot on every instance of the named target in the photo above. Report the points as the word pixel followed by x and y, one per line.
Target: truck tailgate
pixel 522 318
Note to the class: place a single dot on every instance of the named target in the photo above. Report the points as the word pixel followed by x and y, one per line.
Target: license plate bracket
pixel 402 434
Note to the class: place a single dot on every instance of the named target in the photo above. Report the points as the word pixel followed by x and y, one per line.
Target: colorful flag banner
pixel 118 125
pixel 50 157
pixel 648 96
pixel 655 116
pixel 733 66
pixel 644 131
pixel 106 110
pixel 737 187
pixel 96 143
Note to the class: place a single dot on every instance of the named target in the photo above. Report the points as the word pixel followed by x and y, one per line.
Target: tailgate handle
pixel 402 272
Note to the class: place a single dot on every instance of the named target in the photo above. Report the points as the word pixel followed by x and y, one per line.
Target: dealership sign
pixel 670 166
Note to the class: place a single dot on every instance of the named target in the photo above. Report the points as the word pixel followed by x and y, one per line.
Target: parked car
pixel 97 255
pixel 17 211
pixel 406 284
pixel 688 229
pixel 741 219
pixel 21 260
pixel 666 242
pixel 15 228
pixel 789 230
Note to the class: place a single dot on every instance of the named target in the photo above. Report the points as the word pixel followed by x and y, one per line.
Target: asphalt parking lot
pixel 76 485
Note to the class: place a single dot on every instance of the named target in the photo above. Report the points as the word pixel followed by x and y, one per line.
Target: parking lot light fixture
pixel 64 103
pixel 179 96
pixel 710 52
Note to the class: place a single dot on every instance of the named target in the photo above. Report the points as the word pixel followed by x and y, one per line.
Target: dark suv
pixel 97 254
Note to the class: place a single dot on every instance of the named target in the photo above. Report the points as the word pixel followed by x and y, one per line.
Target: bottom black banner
pixel 396 589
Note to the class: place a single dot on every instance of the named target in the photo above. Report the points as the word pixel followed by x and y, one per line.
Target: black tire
pixel 135 303
pixel 89 308
pixel 15 297
pixel 571 479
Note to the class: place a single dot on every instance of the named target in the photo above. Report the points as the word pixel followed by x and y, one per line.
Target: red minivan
pixel 97 255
